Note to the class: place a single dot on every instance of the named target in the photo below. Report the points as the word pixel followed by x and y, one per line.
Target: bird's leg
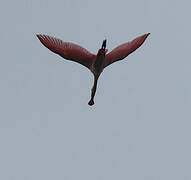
pixel 91 102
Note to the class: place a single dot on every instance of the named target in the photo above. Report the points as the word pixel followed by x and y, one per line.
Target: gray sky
pixel 139 127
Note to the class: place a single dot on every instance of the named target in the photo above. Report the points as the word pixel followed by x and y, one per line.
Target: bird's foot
pixel 91 102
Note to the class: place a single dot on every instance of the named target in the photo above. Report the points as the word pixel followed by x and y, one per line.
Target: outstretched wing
pixel 124 50
pixel 69 51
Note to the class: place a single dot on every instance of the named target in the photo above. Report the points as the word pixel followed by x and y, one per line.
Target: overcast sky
pixel 139 127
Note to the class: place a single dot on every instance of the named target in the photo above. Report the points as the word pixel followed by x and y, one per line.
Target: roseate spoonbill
pixel 95 63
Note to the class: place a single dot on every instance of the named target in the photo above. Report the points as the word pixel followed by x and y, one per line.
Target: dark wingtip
pixel 148 34
pixel 38 36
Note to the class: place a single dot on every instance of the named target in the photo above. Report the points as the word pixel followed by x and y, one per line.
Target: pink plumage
pixel 124 50
pixel 96 63
pixel 67 50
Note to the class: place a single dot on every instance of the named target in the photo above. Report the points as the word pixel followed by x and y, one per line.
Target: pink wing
pixel 69 51
pixel 124 50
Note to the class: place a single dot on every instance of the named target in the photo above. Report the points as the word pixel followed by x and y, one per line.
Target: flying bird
pixel 95 63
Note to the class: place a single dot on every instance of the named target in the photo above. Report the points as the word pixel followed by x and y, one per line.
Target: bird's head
pixel 103 49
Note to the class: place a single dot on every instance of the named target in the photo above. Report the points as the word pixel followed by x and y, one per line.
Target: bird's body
pixel 95 63
pixel 97 66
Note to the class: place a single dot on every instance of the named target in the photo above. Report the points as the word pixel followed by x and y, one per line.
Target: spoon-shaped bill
pixel 91 102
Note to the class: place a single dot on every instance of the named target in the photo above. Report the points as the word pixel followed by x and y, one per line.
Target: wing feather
pixel 124 50
pixel 67 50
